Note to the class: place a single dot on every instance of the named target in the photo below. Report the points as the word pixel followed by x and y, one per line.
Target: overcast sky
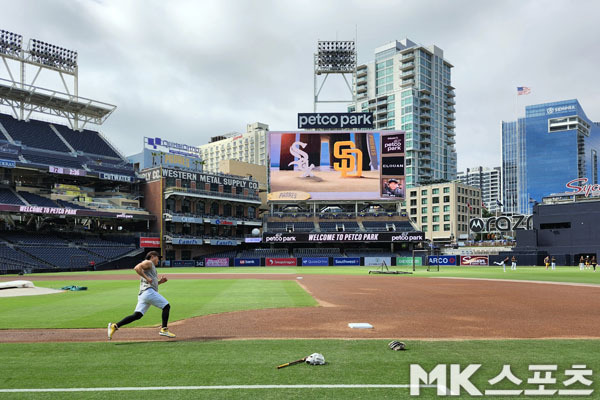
pixel 189 70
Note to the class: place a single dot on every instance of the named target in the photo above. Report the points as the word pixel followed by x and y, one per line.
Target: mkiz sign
pixel 386 237
pixel 502 224
pixel 335 120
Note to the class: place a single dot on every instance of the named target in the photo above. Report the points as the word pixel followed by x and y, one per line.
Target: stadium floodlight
pixel 53 56
pixel 335 57
pixel 10 43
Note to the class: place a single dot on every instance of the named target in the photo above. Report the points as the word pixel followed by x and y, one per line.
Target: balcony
pixel 408 82
pixel 425 122
pixel 408 56
pixel 362 89
pixel 425 106
pixel 450 93
pixel 407 74
pixel 361 73
pixel 449 100
pixel 407 65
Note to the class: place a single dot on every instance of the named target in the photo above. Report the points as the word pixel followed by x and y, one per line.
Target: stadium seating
pixel 58 160
pixel 12 257
pixel 36 200
pixel 68 204
pixel 7 196
pixel 109 253
pixel 291 226
pixel 86 141
pixel 63 256
pixel 36 134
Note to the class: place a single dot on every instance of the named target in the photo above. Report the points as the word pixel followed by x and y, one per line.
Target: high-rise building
pixel 488 181
pixel 250 147
pixel 409 87
pixel 443 210
pixel 553 145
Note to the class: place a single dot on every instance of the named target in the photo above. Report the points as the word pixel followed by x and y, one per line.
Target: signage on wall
pixel 581 186
pixel 7 164
pixel 343 237
pixel 170 147
pixel 502 224
pixel 363 120
pixel 66 171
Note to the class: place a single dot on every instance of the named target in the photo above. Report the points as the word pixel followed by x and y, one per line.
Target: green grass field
pixel 109 300
pixel 232 363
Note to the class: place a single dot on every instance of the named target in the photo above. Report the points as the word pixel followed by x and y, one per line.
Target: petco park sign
pixel 335 120
pixel 343 237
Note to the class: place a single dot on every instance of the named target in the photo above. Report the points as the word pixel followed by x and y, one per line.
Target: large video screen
pixel 361 165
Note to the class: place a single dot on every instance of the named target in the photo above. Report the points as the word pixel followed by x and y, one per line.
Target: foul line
pixel 229 387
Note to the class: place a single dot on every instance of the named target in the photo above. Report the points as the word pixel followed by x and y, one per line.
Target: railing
pixel 212 193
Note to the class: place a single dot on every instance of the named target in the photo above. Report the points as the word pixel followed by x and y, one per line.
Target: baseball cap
pixel 393 180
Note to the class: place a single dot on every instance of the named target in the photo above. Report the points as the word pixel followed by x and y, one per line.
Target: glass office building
pixel 408 87
pixel 554 144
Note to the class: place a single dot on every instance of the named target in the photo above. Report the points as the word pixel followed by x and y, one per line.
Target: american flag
pixel 523 90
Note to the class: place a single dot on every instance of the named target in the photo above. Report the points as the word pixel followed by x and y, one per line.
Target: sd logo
pixel 351 159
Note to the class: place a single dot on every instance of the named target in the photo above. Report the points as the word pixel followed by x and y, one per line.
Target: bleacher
pixel 36 200
pixel 7 196
pixel 86 141
pixel 69 252
pixel 57 160
pixel 36 134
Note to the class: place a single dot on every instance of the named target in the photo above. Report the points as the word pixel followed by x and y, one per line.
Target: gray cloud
pixel 190 70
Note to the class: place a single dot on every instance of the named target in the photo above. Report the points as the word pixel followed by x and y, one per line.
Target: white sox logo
pixel 302 159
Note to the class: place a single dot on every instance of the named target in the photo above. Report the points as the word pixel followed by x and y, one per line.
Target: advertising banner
pixel 115 177
pixel 149 242
pixel 252 240
pixel 386 237
pixel 66 171
pixel 346 261
pixel 223 242
pixel 378 261
pixel 71 211
pixel 474 260
pixel 188 220
pixel 191 241
pixel 8 164
pixel 315 261
pixel 442 260
pixel 409 260
pixel 183 263
pixel 247 262
pixel 216 262
pixel 277 262
pixel 326 164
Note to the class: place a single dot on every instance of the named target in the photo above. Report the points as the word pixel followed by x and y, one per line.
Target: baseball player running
pixel 502 263
pixel 148 296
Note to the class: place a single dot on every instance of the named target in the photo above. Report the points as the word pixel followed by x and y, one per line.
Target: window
pixel 446 227
pixel 435 200
pixel 435 209
pixel 435 191
pixel 446 199
pixel 424 228
pixel 446 217
pixel 413 202
pixel 423 201
pixel 424 219
pixel 413 211
pixel 436 228
pixel 413 193
pixel 424 192
pixel 446 190
pixel 436 218
pixel 423 210
pixel 446 208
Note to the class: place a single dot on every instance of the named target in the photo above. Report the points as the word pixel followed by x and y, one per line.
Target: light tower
pixel 334 58
pixel 23 97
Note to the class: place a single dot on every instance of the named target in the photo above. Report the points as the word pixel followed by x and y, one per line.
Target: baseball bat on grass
pixel 292 363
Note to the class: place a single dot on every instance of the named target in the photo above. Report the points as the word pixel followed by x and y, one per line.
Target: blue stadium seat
pixel 86 141
pixel 8 197
pixel 36 200
pixel 33 133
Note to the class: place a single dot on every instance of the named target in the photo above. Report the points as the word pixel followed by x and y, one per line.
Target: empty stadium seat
pixel 86 141
pixel 8 197
pixel 33 133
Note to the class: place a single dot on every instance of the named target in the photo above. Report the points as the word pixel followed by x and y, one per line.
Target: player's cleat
pixel 165 332
pixel 112 328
